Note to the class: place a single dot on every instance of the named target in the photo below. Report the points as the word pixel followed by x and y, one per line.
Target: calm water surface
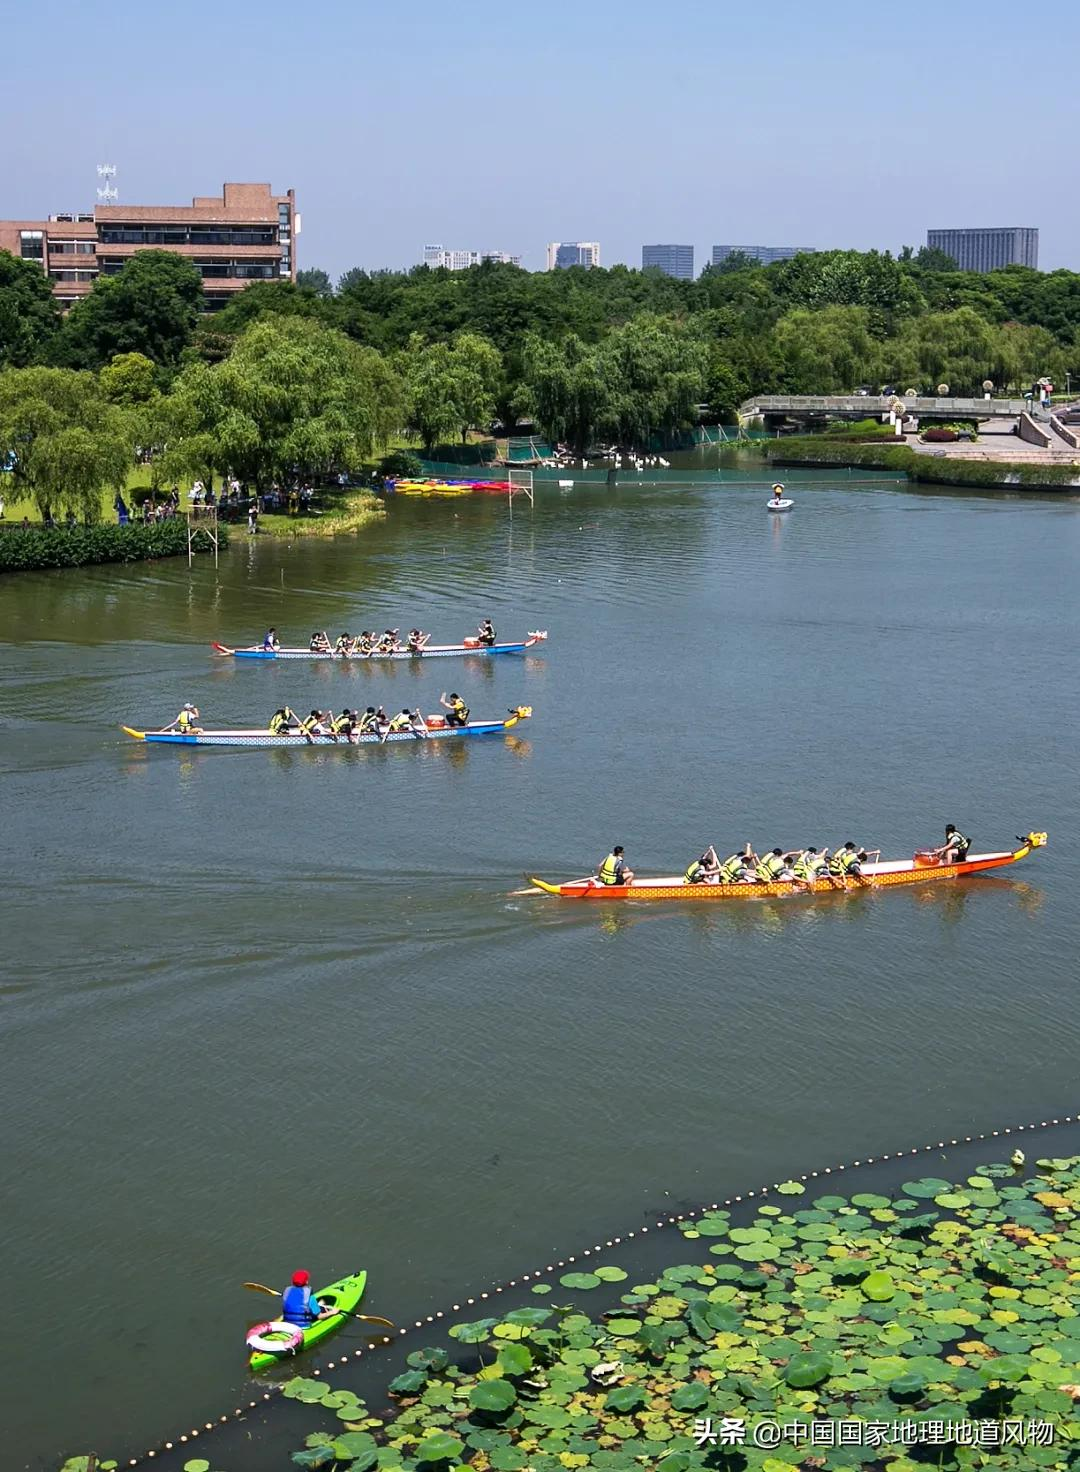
pixel 271 1008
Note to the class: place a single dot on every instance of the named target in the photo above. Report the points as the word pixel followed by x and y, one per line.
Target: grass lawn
pixel 138 477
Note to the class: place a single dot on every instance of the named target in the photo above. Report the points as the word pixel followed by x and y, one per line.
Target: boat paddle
pixel 341 1312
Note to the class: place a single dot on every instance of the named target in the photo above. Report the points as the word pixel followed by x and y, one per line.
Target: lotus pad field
pixel 937 1326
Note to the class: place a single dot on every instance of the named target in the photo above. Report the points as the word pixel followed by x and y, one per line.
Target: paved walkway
pixel 998 440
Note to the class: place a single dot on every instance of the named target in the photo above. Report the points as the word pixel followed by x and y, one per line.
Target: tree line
pixel 313 377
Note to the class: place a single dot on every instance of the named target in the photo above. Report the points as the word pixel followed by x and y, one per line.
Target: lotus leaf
pixel 492 1395
pixel 475 1333
pixel 693 1396
pixel 625 1398
pixel 878 1287
pixel 579 1280
pixel 791 1188
pixel 312 1458
pixel 540 1288
pixel 803 1371
pixel 529 1318
pixel 428 1359
pixel 506 1459
pixel 440 1446
pixel 515 1359
pixel 610 1274
pixel 197 1464
pixel 624 1328
pixel 408 1383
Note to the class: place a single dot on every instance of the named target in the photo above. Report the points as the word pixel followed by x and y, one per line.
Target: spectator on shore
pixel 69 520
pixel 253 518
pixel 26 524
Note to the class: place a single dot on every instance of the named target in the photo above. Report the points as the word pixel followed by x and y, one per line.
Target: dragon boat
pixel 435 728
pixel 922 868
pixel 430 651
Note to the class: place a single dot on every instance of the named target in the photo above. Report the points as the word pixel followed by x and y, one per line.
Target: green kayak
pixel 344 1295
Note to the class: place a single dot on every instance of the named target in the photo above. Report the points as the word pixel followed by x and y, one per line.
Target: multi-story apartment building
pixel 561 254
pixel 988 250
pixel 247 234
pixel 673 260
pixel 437 256
pixel 765 255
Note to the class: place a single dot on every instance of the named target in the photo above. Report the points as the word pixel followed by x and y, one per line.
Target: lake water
pixel 265 1008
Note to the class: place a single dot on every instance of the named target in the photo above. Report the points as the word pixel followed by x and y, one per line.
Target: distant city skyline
pixel 562 254
pixel 767 255
pixel 526 154
pixel 988 249
pixel 673 260
pixel 437 256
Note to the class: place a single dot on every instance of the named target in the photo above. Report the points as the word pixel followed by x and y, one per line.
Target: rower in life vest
pixel 613 870
pixel 486 633
pixel 772 867
pixel 955 848
pixel 185 721
pixel 282 720
pixel 736 869
pixel 299 1305
pixel 458 711
pixel 270 642
pixel 705 870
pixel 846 860
pixel 402 721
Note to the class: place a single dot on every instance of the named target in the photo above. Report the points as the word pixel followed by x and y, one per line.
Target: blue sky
pixel 503 126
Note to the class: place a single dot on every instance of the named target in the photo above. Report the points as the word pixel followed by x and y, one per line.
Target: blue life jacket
pixel 296 1306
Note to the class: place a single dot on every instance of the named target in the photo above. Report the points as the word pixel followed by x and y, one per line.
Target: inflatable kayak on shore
pixel 435 728
pixel 430 651
pixel 343 1296
pixel 923 868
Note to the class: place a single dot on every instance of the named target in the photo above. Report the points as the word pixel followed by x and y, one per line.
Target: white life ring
pixel 275 1337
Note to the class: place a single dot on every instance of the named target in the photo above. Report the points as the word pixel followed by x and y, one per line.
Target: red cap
pixel 301 1278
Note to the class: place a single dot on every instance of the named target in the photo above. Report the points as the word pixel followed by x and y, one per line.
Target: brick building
pixel 246 234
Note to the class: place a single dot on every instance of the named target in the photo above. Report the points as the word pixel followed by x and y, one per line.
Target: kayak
pixel 923 868
pixel 780 505
pixel 430 651
pixel 345 1295
pixel 435 725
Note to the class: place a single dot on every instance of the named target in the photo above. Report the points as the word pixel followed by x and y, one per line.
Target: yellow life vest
pixel 183 720
pixel 608 872
pixel 769 867
pixel 401 722
pixel 461 710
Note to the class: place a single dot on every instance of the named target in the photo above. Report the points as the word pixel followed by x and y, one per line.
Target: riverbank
pixel 341 512
pixel 814 451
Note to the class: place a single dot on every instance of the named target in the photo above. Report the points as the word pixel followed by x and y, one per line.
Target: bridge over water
pixel 866 406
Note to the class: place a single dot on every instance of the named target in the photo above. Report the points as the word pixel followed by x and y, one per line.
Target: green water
pixel 267 1008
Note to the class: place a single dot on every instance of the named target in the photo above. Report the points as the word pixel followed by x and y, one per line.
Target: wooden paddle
pixel 342 1312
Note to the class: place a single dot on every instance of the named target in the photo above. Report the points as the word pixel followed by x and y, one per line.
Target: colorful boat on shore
pixel 343 1296
pixel 430 651
pixel 435 728
pixel 923 868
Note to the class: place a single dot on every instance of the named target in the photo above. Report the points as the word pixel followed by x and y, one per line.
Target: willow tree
pixel 65 440
pixel 293 397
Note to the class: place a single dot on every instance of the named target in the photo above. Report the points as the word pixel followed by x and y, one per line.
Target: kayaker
pixel 282 721
pixel 271 641
pixel 705 870
pixel 456 709
pixel 954 850
pixel 772 868
pixel 486 633
pixel 613 870
pixel 299 1305
pixel 185 721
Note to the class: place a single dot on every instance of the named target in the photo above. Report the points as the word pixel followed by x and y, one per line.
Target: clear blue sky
pixel 503 126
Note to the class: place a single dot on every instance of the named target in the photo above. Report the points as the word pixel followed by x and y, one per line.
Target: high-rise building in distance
pixel 561 254
pixel 437 256
pixel 673 260
pixel 987 250
pixel 765 255
pixel 246 234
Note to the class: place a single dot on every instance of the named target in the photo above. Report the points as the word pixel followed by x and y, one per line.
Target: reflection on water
pixel 232 977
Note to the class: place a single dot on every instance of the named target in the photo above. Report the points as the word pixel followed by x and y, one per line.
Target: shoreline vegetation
pixel 819 450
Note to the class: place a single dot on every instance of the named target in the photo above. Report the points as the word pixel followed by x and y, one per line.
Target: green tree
pixel 151 307
pixel 66 439
pixel 292 397
pixel 450 387
pixel 827 351
pixel 478 371
pixel 958 348
pixel 313 279
pixel 29 314
pixel 737 260
pixel 129 379
pixel 567 392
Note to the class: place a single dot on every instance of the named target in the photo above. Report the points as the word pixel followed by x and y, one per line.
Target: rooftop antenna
pixel 108 193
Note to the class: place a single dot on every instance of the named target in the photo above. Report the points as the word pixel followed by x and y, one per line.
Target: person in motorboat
pixel 777 494
pixel 185 721
pixel 955 848
pixel 282 721
pixel 270 641
pixel 737 868
pixel 613 870
pixel 457 712
pixel 320 644
pixel 705 870
pixel 486 633
pixel 417 640
pixel 299 1305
